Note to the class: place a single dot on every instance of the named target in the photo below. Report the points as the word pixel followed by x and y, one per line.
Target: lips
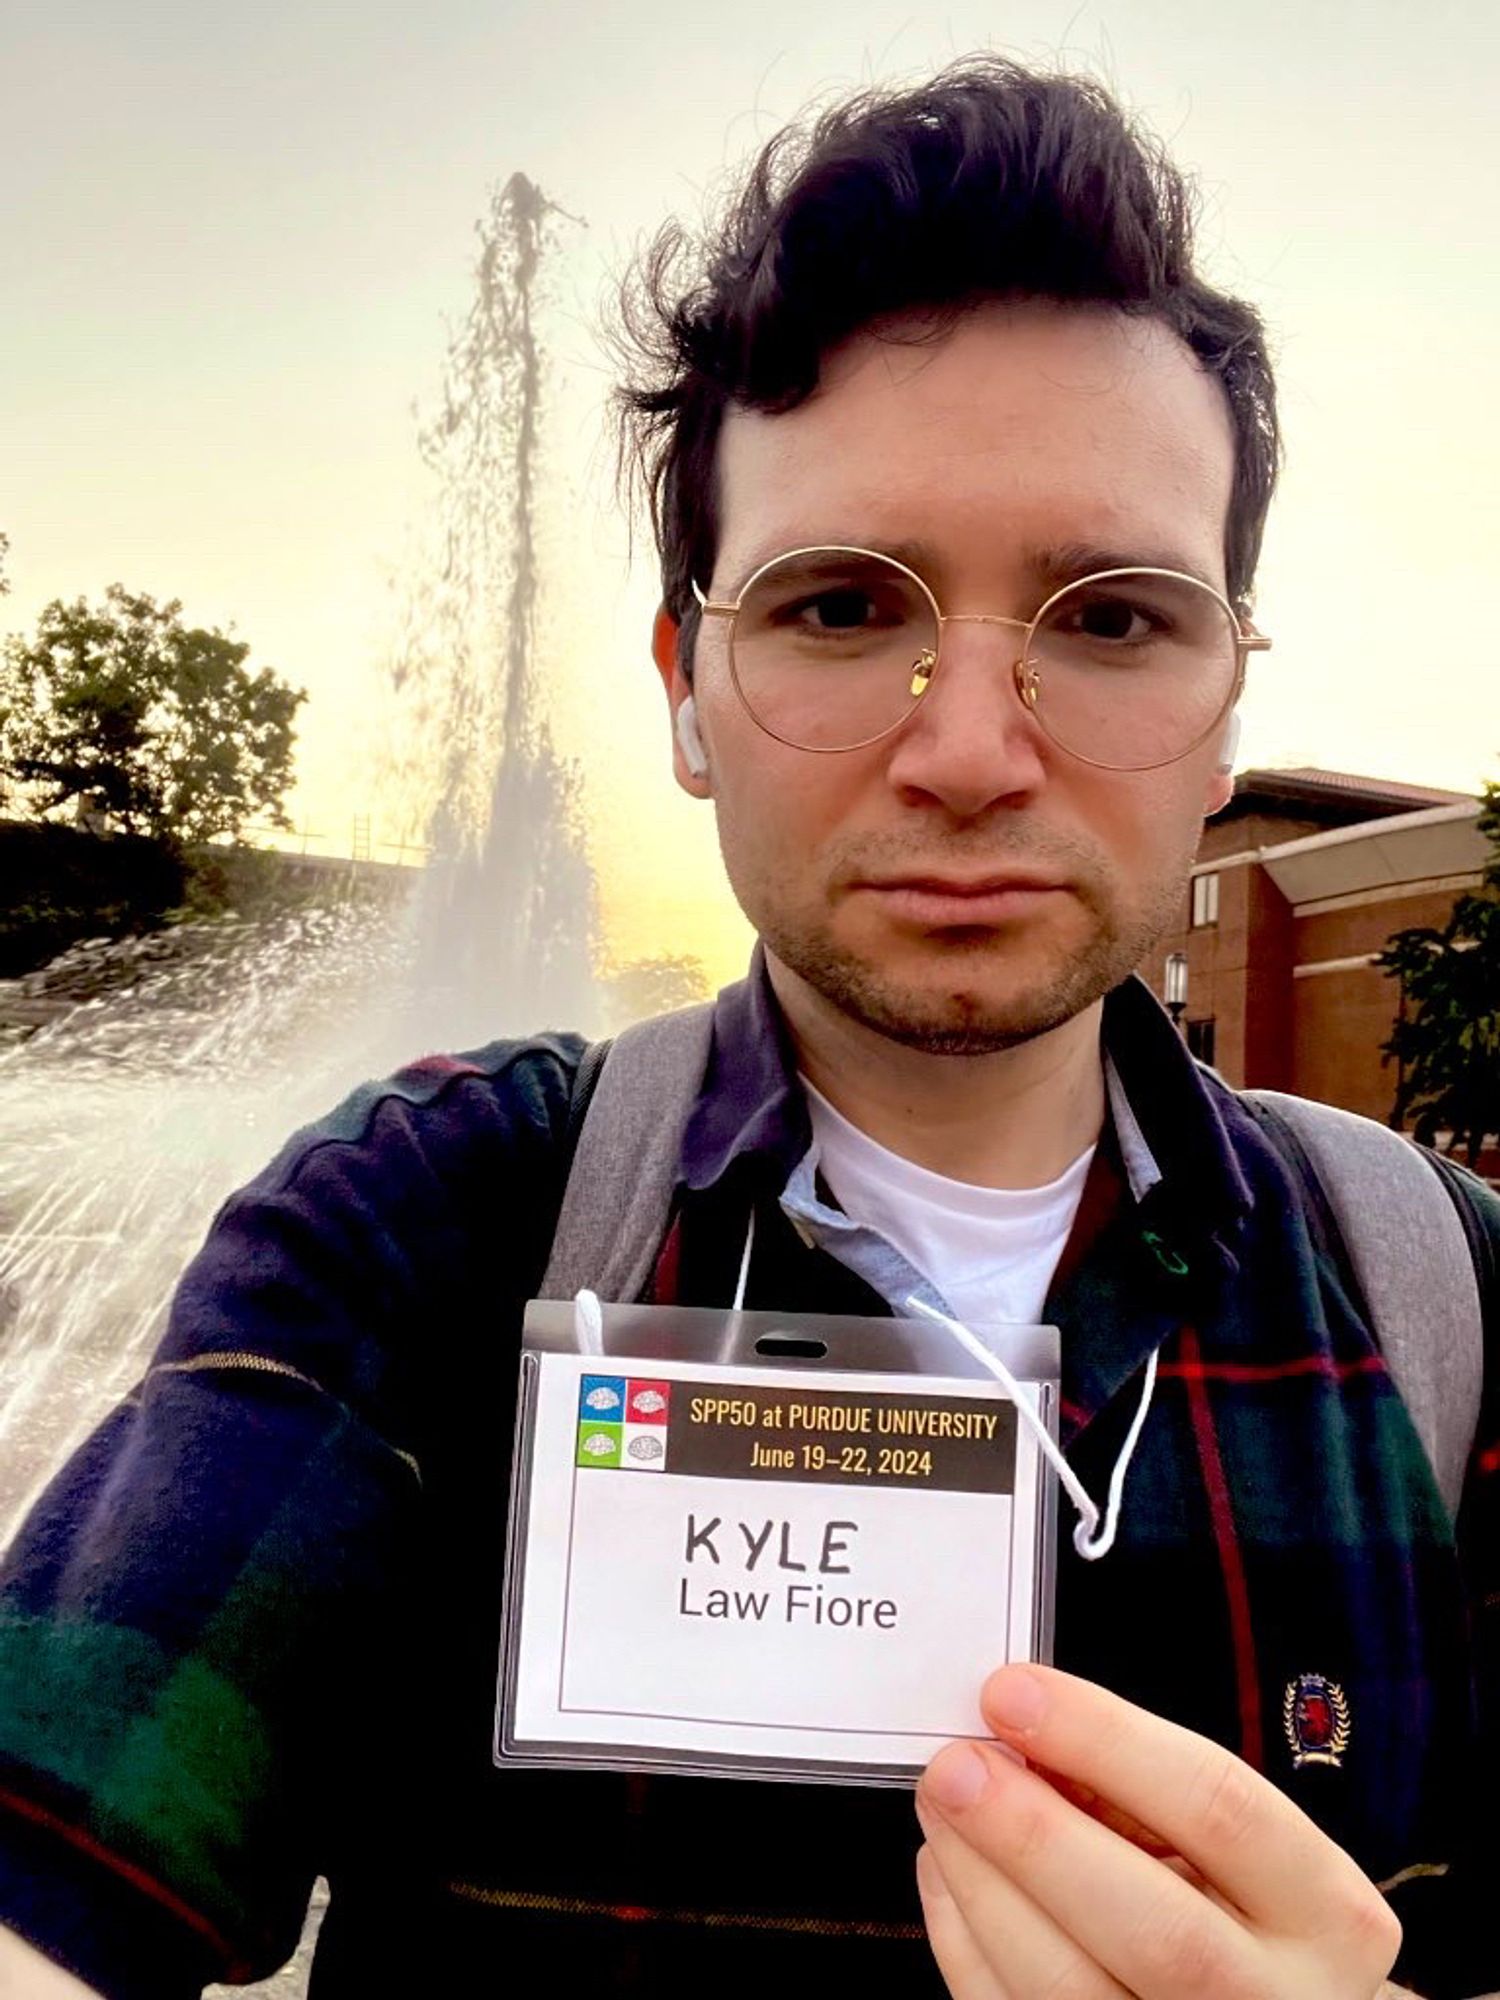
pixel 957 885
pixel 946 902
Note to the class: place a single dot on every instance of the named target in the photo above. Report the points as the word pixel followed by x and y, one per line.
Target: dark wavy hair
pixel 991 181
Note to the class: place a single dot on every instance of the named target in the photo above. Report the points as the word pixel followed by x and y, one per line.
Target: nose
pixel 972 742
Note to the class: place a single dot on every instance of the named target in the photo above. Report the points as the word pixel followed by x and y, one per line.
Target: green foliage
pixel 1447 1039
pixel 254 882
pixel 652 986
pixel 155 725
pixel 58 885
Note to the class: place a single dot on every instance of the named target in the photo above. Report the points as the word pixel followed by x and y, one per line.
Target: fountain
pixel 506 919
pixel 126 1122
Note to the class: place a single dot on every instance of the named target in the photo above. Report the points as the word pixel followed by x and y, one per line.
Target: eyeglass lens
pixel 832 649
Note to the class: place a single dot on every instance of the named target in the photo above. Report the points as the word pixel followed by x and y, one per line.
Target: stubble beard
pixel 966 1020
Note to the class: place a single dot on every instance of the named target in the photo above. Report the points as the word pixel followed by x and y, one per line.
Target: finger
pixel 1089 1801
pixel 1123 1910
pixel 958 1956
pixel 1018 1946
pixel 1108 1814
pixel 1243 1836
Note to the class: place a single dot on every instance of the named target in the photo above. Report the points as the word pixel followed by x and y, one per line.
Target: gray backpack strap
pixel 625 1163
pixel 1412 1257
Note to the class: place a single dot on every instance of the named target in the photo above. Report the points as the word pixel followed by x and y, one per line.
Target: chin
pixel 959 1005
pixel 960 1024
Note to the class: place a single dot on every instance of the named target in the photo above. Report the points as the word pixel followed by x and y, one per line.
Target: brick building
pixel 1298 884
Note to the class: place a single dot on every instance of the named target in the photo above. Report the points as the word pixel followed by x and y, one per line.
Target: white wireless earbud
pixel 694 754
pixel 1231 743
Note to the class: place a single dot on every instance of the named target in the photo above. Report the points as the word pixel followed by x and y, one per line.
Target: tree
pixel 156 724
pixel 652 986
pixel 1447 1039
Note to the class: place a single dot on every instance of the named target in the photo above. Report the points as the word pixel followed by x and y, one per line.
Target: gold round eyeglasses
pixel 833 648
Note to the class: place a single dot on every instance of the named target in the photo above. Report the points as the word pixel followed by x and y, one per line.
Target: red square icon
pixel 646 1402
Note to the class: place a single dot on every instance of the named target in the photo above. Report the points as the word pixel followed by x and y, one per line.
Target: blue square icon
pixel 602 1398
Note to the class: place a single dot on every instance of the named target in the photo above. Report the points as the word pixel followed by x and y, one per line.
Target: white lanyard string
pixel 588 1323
pixel 1089 1539
pixel 739 1290
pixel 588 1316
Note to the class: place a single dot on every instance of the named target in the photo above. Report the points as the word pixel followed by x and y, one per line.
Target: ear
pixel 664 650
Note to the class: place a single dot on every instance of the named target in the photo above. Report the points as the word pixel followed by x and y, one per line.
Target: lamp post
pixel 1175 990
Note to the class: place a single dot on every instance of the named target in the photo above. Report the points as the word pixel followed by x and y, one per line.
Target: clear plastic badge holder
pixel 770 1545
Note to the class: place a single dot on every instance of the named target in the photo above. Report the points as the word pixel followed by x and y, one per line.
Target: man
pixel 960 475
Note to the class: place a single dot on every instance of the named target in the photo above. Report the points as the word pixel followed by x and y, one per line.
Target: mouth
pixel 941 902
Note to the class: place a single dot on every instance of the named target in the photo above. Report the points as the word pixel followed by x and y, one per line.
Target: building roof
pixel 1439 845
pixel 1329 798
pixel 1306 777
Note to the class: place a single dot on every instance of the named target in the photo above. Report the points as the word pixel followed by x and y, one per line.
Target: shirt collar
pixel 1165 1112
pixel 751 1105
pixel 1173 1145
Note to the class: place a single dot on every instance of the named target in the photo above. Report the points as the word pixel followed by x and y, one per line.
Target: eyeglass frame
pixel 1025 674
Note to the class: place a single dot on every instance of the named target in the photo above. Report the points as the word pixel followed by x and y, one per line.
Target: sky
pixel 235 241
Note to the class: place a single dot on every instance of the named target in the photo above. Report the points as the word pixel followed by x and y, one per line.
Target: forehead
pixel 1024 426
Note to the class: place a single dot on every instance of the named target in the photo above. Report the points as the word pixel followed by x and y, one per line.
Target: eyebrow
pixel 1069 560
pixel 1052 565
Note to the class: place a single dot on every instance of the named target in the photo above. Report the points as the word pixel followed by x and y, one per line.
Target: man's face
pixel 1005 451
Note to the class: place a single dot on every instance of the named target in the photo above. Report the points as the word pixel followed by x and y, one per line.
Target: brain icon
pixel 650 1401
pixel 645 1448
pixel 601 1399
pixel 598 1446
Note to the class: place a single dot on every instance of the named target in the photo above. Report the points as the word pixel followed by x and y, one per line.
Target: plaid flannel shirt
pixel 249 1634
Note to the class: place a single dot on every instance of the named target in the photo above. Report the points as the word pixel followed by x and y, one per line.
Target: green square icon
pixel 599 1444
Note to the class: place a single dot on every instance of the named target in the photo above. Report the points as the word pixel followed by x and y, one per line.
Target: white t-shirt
pixel 990 1252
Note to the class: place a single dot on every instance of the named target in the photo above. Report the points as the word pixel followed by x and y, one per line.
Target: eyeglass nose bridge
pixel 1028 684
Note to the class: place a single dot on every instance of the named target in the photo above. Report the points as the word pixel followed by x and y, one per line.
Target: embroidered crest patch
pixel 1315 1715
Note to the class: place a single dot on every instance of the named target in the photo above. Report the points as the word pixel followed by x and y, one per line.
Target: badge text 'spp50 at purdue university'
pixel 777 1571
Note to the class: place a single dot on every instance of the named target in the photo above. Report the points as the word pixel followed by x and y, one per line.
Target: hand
pixel 26 1975
pixel 1146 1862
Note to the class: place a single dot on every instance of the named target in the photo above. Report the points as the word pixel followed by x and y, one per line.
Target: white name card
pixel 774 1570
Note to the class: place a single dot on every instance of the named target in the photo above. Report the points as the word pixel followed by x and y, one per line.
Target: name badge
pixel 780 1570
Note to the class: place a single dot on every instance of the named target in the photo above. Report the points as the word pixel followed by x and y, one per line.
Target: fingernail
pixel 1015 1700
pixel 955 1777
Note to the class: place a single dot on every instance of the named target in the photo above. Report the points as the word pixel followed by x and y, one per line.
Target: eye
pixel 1109 619
pixel 847 607
pixel 830 605
pixel 838 610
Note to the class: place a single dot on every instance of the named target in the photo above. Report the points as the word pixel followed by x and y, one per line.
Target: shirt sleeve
pixel 198 1620
pixel 1464 1941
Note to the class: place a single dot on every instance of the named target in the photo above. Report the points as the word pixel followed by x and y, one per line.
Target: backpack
pixel 1399 1223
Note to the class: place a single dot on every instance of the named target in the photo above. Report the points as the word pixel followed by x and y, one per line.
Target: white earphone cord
pixel 1090 1540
